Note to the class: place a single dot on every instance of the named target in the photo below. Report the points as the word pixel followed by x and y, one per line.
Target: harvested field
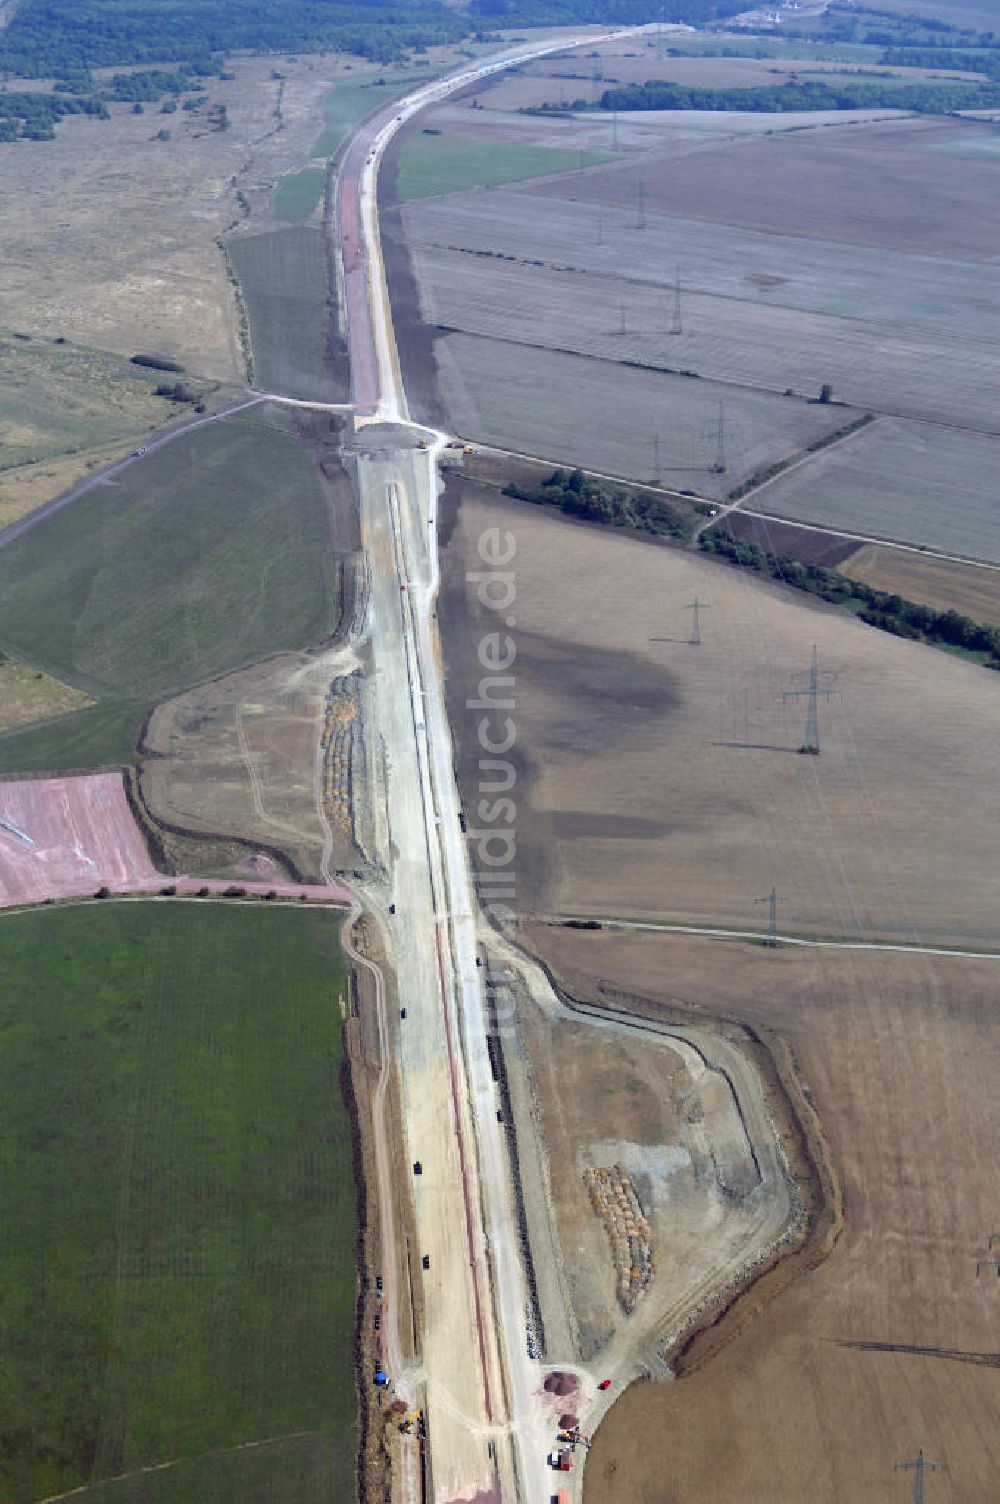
pixel 934 582
pixel 283 277
pixel 903 334
pixel 979 14
pixel 204 555
pixel 916 482
pixel 661 781
pixel 604 417
pixel 808 544
pixel 919 373
pixel 635 130
pixel 898 1053
pixel 888 185
pixel 920 293
pixel 180 1244
pixel 27 695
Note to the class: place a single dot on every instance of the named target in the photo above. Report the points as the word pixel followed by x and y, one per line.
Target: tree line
pixel 55 38
pixel 795 96
pixel 576 496
pixel 879 608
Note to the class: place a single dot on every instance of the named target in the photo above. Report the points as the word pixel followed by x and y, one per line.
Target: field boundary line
pixel 162 1467
pixel 714 933
pixel 797 463
pixel 860 538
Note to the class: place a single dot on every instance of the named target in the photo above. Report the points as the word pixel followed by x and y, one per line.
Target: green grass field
pixel 298 193
pixel 58 399
pixel 206 555
pixel 432 165
pixel 283 277
pixel 178 1237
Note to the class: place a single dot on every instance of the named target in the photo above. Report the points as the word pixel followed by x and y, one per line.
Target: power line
pixel 772 900
pixel 919 1466
pixel 813 683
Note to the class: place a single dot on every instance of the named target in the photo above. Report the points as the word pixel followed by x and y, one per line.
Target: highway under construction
pixel 488 1424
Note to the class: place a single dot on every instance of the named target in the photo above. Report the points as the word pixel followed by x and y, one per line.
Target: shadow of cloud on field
pixel 590 694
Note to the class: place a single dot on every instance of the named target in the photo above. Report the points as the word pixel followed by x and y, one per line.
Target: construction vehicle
pixel 560 1461
pixel 381 1379
pixel 468 448
pixel 604 1384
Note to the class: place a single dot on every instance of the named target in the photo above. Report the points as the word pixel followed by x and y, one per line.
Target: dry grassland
pixel 917 482
pixel 605 417
pixel 934 582
pixel 28 487
pixel 124 226
pixel 901 185
pixel 57 399
pixel 662 781
pixel 27 695
pixel 900 1054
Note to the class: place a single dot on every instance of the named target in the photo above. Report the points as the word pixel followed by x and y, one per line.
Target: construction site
pixel 667 890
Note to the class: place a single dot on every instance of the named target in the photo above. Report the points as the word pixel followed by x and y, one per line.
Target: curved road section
pixel 487 1418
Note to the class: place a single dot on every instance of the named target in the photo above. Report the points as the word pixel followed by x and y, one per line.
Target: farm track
pixel 763 937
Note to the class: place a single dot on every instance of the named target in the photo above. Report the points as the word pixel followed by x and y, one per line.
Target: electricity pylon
pixel 772 900
pixel 918 1467
pixel 813 683
pixel 718 465
pixel 697 607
